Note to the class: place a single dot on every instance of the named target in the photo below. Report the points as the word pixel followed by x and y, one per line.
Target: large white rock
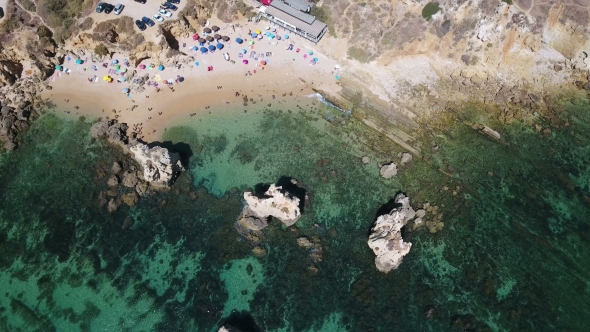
pixel 276 203
pixel 159 165
pixel 386 237
pixel 388 170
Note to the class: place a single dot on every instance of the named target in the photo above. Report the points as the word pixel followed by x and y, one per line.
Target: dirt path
pixel 33 14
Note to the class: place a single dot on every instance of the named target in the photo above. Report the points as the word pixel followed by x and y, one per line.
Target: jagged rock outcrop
pixel 159 166
pixel 274 202
pixel 13 122
pixel 386 238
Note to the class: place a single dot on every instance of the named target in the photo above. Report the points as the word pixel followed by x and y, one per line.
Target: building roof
pixel 299 4
pixel 292 11
pixel 315 28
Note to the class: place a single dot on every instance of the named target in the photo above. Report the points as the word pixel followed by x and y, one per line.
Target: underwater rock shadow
pixel 242 321
pixel 285 182
pixel 183 149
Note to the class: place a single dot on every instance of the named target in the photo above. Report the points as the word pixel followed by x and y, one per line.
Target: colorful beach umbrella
pixel 117 67
pixel 115 61
pixel 244 51
pixel 58 67
pixel 258 31
pixel 239 40
pixel 263 62
pixel 142 66
pixel 225 38
pixel 217 36
pixel 195 36
pixel 207 30
pixel 202 40
pixel 160 67
pixel 203 50
pixel 209 38
pixel 194 48
pixel 215 28
pixel 180 79
pixel 245 62
pixel 259 36
pixel 220 46
pixel 122 79
pixel 286 36
pixel 126 90
pixel 79 61
pixel 211 48
pixel 197 63
pixel 253 35
pixel 123 70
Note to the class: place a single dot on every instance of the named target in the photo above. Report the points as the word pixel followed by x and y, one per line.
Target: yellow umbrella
pixel 157 78
pixel 258 32
pixel 105 78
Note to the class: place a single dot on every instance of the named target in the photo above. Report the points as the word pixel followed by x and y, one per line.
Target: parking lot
pixel 136 11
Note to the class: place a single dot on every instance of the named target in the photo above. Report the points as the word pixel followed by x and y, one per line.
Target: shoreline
pixel 286 75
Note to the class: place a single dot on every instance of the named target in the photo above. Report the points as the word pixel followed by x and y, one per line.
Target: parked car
pixel 148 21
pixel 108 8
pixel 140 25
pixel 100 7
pixel 164 12
pixel 1 12
pixel 118 9
pixel 140 1
pixel 170 6
pixel 158 18
pixel 174 1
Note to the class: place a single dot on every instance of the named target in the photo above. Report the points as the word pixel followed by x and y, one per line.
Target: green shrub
pixel 430 9
pixel 101 50
pixel 28 5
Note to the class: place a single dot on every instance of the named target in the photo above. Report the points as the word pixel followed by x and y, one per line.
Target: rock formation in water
pixel 388 171
pixel 159 166
pixel 13 122
pixel 275 202
pixel 386 238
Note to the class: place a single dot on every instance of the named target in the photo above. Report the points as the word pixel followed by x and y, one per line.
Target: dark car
pixel 100 7
pixel 174 1
pixel 140 1
pixel 1 12
pixel 140 25
pixel 108 8
pixel 148 21
pixel 170 6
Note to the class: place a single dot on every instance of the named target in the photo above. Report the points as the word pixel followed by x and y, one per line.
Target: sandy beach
pixel 287 74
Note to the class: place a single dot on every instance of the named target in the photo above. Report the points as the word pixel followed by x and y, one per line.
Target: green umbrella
pixel 58 67
pixel 117 67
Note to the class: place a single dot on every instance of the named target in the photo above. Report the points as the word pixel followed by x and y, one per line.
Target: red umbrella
pixel 142 66
pixel 195 36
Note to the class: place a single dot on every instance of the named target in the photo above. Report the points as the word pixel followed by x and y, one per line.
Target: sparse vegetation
pixel 507 1
pixel 358 54
pixel 43 31
pixel 430 9
pixel 86 24
pixel 323 15
pixel 245 10
pixel 28 5
pixel 101 50
pixel 61 15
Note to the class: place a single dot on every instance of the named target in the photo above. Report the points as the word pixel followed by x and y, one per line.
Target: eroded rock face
pixel 14 121
pixel 386 238
pixel 160 166
pixel 276 203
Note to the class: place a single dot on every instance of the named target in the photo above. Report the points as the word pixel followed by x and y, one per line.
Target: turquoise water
pixel 512 254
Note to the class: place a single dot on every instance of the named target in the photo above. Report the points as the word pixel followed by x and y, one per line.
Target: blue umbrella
pixel 244 51
pixel 115 61
pixel 220 46
pixel 194 48
pixel 253 35
pixel 203 50
pixel 126 90
pixel 286 36
pixel 160 67
pixel 79 62
pixel 197 63
pixel 211 48
pixel 239 40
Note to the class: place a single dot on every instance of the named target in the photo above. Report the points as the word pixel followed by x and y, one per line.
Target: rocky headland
pixel 386 237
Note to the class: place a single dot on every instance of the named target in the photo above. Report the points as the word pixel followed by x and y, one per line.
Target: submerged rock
pixel 275 202
pixel 386 238
pixel 388 170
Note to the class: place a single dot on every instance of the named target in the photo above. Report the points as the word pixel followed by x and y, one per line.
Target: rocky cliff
pixel 386 237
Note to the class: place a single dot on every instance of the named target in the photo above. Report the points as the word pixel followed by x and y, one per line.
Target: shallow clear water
pixel 512 255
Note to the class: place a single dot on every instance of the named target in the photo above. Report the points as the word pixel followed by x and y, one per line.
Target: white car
pixel 158 18
pixel 118 9
pixel 164 12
